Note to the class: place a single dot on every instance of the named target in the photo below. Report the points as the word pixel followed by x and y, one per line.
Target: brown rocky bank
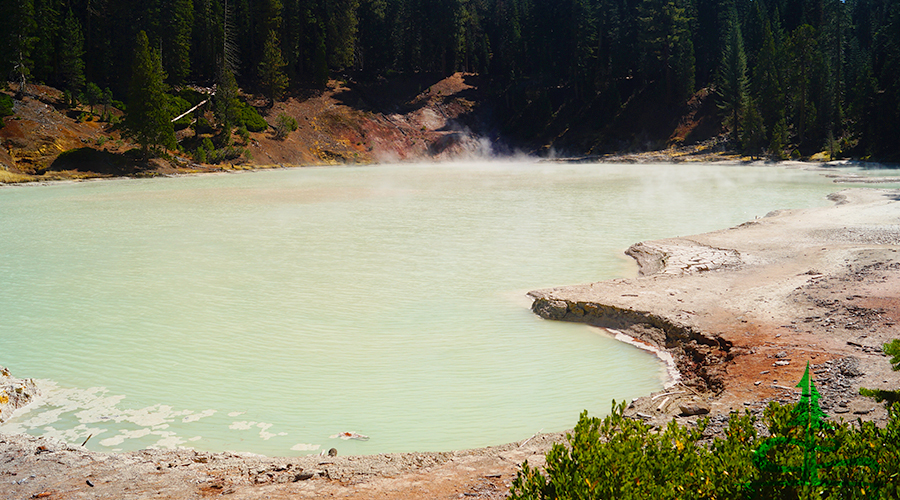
pixel 741 310
pixel 414 118
pixel 744 309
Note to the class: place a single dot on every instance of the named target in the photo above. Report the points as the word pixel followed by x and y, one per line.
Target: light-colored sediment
pixel 14 393
pixel 740 310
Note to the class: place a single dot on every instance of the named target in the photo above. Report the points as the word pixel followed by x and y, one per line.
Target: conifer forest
pixel 811 74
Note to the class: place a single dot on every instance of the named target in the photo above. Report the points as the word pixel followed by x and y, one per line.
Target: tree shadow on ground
pixel 396 94
pixel 100 162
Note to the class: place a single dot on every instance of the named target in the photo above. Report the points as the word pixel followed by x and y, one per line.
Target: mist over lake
pixel 268 311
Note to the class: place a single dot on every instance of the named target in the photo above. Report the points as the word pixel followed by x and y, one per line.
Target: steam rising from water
pixel 265 312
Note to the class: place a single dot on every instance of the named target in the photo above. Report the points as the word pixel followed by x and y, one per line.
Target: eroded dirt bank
pixel 741 310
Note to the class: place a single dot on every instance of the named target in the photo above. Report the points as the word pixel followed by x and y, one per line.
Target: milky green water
pixel 268 311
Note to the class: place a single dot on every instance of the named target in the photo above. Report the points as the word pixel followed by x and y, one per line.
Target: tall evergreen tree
pixel 226 105
pixel 803 56
pixel 71 62
pixel 668 48
pixel 271 69
pixel 374 36
pixel 46 49
pixel 19 31
pixel 148 120
pixel 732 80
pixel 768 79
pixel 177 44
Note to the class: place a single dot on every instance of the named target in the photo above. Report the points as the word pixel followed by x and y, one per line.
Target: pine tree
pixel 226 105
pixel 732 81
pixel 768 79
pixel 45 52
pixel 178 42
pixel 20 32
pixel 148 120
pixel 374 36
pixel 666 42
pixel 93 94
pixel 271 69
pixel 71 64
pixel 802 52
pixel 206 35
pixel 753 131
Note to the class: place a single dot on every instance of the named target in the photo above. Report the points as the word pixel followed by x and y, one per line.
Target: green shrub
pixel 202 126
pixel 284 125
pixel 177 106
pixel 6 105
pixel 892 349
pixel 192 96
pixel 251 119
pixel 244 134
pixel 805 457
pixel 224 154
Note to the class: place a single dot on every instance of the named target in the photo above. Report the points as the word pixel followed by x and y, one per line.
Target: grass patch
pixel 7 177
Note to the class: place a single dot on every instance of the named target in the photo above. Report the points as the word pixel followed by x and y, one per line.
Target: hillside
pixel 403 119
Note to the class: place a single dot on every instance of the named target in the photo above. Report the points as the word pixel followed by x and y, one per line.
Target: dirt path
pixel 741 310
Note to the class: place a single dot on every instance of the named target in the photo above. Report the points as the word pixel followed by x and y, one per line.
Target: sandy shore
pixel 741 311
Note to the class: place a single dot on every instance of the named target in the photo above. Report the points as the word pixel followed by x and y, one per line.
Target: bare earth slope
pixel 412 119
pixel 741 310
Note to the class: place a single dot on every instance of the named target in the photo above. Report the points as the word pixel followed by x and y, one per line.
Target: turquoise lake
pixel 267 311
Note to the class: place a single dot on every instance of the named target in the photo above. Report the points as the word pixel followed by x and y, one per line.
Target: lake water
pixel 266 312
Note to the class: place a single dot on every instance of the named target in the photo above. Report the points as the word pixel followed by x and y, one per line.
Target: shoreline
pixel 663 157
pixel 741 309
pixel 765 301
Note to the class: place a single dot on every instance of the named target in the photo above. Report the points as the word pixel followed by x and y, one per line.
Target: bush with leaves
pixel 177 106
pixel 892 349
pixel 93 95
pixel 244 134
pixel 251 119
pixel 284 125
pixel 200 155
pixel 805 457
pixel 6 105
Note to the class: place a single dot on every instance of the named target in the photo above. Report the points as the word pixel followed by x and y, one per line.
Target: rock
pixel 14 393
pixel 849 367
pixel 693 409
pixel 550 309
